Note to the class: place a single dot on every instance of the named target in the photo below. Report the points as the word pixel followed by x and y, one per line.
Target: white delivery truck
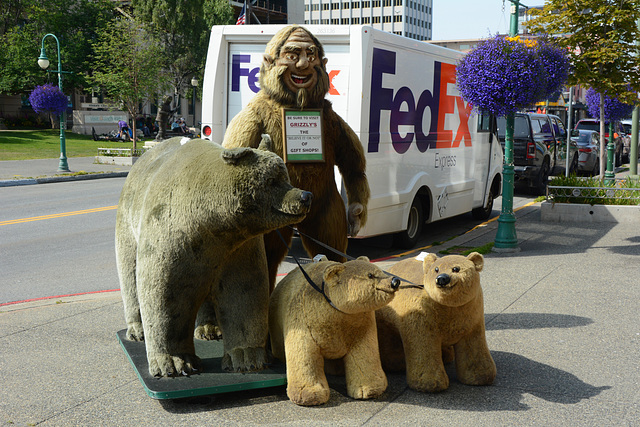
pixel 429 156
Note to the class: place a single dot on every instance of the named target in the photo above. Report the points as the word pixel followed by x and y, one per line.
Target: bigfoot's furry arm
pixel 351 161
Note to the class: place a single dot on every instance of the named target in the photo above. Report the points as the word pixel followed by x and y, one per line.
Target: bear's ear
pixel 363 258
pixel 477 259
pixel 332 273
pixel 428 261
pixel 266 143
pixel 233 155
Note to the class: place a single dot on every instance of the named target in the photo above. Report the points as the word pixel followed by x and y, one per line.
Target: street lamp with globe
pixel 43 62
pixel 194 84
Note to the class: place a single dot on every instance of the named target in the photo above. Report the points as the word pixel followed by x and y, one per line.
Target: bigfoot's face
pixel 300 55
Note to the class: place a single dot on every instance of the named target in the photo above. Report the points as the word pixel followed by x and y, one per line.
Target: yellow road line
pixel 59 215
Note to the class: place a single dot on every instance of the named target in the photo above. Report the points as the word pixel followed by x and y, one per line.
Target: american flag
pixel 241 19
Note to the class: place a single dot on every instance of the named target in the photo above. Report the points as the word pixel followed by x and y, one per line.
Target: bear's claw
pixel 244 359
pixel 166 365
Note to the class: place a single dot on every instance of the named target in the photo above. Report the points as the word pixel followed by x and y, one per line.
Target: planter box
pixel 574 212
pixel 112 160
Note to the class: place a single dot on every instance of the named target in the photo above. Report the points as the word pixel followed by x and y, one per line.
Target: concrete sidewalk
pixel 27 172
pixel 562 324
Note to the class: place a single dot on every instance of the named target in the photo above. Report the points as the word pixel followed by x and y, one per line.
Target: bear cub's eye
pixel 437 269
pixel 455 269
pixel 371 276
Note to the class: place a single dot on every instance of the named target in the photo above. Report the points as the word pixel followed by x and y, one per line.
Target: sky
pixel 471 19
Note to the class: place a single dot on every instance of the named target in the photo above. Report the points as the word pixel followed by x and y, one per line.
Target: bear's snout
pixel 395 283
pixel 306 197
pixel 443 280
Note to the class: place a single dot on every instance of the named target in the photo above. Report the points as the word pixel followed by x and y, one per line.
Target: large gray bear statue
pixel 186 209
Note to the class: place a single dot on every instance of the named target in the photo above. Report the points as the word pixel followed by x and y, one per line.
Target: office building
pixel 409 18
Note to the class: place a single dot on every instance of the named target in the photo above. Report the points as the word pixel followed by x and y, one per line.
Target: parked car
pixel 588 142
pixel 618 132
pixel 539 148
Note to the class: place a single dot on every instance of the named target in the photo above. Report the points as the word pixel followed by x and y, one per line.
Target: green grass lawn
pixel 45 144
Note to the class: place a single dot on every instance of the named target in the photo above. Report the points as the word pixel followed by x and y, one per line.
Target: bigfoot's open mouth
pixel 300 80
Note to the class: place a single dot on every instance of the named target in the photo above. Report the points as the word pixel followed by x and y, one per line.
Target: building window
pixel 344 21
pixel 397 2
pixel 366 4
pixel 376 19
pixel 376 3
pixel 355 21
pixel 366 20
pixel 386 2
pixel 325 6
pixel 335 6
pixel 345 5
pixel 315 7
pixel 314 21
pixel 386 19
pixel 397 18
pixel 355 5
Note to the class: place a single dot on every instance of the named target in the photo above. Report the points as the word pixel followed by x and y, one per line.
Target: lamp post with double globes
pixel 43 62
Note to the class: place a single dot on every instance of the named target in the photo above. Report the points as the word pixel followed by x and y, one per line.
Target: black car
pixel 539 148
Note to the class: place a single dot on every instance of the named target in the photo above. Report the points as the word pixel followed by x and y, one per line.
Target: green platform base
pixel 212 380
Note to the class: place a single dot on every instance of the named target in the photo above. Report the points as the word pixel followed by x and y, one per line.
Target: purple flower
pixel 613 109
pixel 504 75
pixel 48 98
pixel 556 64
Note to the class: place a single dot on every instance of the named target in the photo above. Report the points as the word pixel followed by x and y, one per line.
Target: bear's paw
pixel 429 382
pixel 166 365
pixel 135 332
pixel 208 332
pixel 308 395
pixel 243 359
pixel 367 391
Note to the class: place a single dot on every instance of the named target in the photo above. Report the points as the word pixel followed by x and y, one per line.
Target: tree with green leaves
pixel 183 27
pixel 23 23
pixel 600 37
pixel 126 66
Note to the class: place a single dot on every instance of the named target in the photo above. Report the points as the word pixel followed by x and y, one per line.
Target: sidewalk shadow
pixel 517 376
pixel 502 321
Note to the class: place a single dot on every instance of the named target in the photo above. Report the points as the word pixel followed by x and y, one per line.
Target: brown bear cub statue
pixel 334 321
pixel 420 327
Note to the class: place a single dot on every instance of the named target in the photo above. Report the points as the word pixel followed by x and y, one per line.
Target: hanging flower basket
pixel 48 99
pixel 503 75
pixel 613 109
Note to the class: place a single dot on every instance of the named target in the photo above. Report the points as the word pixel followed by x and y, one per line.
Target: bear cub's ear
pixel 477 259
pixel 428 261
pixel 363 258
pixel 332 273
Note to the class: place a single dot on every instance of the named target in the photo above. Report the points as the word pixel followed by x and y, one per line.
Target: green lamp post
pixel 506 239
pixel 609 175
pixel 43 62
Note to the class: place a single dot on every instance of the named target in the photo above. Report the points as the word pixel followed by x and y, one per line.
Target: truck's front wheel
pixel 408 238
pixel 484 212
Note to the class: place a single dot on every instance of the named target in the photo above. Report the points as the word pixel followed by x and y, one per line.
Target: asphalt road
pixel 58 239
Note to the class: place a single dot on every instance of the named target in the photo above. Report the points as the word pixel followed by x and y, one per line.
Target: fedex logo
pixel 438 102
pixel 241 67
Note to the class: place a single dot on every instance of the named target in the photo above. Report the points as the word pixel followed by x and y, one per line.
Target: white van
pixel 429 156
